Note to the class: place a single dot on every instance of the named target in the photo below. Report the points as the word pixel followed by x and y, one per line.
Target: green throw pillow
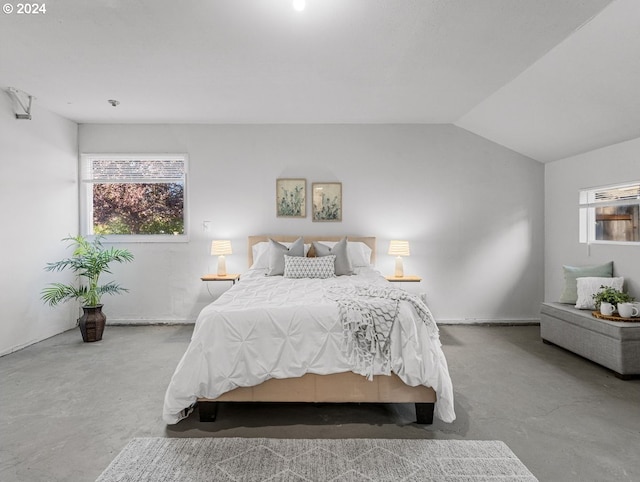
pixel 572 273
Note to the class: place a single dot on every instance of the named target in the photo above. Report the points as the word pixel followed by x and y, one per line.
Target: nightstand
pixel 224 277
pixel 403 279
pixel 409 279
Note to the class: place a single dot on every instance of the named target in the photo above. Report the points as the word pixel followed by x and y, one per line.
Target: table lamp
pixel 399 249
pixel 220 247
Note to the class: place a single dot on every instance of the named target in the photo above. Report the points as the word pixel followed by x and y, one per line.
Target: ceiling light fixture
pixel 298 5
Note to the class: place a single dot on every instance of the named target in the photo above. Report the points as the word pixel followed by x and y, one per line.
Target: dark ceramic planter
pixel 92 323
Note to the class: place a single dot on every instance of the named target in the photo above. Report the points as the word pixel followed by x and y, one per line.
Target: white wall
pixel 38 190
pixel 472 210
pixel 563 181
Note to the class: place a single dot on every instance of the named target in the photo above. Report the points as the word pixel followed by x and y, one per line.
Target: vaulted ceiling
pixel 546 78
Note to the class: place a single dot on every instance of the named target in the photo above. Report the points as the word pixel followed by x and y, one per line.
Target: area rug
pixel 266 459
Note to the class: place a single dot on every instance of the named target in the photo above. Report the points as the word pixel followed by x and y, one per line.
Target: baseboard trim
pixel 22 346
pixel 491 322
pixel 124 322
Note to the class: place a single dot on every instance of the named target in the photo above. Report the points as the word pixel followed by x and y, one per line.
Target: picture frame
pixel 291 198
pixel 326 201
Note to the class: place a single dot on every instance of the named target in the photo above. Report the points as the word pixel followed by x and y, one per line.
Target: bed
pixel 277 339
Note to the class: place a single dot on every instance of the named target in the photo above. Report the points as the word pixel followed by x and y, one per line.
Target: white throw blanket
pixel 367 315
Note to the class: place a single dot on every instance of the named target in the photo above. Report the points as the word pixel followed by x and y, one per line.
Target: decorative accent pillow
pixel 301 267
pixel 589 286
pixel 343 262
pixel 571 273
pixel 277 253
pixel 261 254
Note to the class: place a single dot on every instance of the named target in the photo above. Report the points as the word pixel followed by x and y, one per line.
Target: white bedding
pixel 274 327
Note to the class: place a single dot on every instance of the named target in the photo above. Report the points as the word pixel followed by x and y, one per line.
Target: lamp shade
pixel 399 248
pixel 220 247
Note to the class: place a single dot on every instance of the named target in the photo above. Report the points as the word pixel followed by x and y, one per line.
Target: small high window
pixel 134 197
pixel 610 214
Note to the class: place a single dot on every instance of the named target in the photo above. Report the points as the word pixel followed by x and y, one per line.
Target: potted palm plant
pixel 89 260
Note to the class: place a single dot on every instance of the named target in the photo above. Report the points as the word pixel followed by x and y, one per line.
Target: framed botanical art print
pixel 291 197
pixel 327 201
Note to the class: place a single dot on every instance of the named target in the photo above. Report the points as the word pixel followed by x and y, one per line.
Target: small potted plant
pixel 612 296
pixel 89 260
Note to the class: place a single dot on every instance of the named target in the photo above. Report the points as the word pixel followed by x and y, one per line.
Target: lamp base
pixel 222 266
pixel 399 272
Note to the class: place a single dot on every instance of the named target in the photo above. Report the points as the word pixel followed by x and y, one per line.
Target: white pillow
pixel 359 253
pixel 300 267
pixel 261 254
pixel 589 286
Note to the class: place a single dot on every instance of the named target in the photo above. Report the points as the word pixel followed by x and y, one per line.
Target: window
pixel 134 197
pixel 610 214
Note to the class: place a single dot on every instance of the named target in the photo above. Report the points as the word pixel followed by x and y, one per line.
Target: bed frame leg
pixel 208 411
pixel 424 413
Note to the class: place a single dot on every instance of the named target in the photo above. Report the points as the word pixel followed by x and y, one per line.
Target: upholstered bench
pixel 615 345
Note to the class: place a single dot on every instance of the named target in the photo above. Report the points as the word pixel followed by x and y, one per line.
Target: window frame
pixel 86 198
pixel 587 212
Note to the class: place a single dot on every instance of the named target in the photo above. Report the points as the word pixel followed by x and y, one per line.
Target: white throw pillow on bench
pixel 589 286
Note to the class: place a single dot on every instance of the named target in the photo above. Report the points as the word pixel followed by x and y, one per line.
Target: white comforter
pixel 274 327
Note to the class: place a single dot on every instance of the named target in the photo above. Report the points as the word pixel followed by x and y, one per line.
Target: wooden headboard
pixel 368 240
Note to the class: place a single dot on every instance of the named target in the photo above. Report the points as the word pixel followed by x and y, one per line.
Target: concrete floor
pixel 67 408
